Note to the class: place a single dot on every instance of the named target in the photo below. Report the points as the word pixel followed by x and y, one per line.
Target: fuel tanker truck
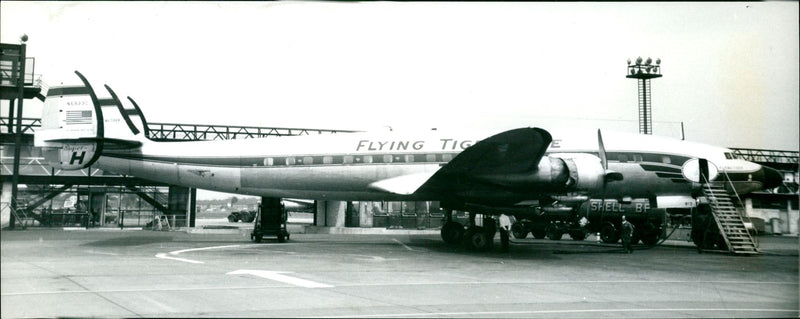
pixel 593 216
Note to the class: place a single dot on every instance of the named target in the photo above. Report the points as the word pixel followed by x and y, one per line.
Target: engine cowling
pixel 585 171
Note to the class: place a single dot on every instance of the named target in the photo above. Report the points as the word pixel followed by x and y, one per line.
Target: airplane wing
pixel 402 185
pixel 492 161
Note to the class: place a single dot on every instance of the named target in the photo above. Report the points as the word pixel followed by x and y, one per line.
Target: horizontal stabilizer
pixel 108 143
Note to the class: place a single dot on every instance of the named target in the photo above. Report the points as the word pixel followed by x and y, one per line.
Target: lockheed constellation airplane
pixel 474 171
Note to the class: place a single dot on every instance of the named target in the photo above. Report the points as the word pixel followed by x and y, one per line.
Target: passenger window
pixel 327 160
pixel 269 161
pixel 622 158
pixel 448 157
pixel 308 160
pixel 387 158
pixel 348 159
pixel 430 158
pixel 367 158
pixel 409 158
pixel 666 160
pixel 637 157
pixel 290 160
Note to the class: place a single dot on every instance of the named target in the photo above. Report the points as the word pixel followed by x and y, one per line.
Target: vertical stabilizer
pixel 77 126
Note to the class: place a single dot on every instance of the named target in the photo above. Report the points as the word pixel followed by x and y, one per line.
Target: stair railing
pixel 743 213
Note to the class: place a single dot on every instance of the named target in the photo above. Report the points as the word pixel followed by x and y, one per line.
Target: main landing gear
pixel 474 237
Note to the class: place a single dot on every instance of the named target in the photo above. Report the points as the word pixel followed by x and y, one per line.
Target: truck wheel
pixel 577 234
pixel 553 232
pixel 609 234
pixel 650 239
pixel 231 219
pixel 539 233
pixel 519 231
pixel 281 238
pixel 255 238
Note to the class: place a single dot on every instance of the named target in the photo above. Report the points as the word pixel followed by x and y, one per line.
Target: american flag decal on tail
pixel 79 117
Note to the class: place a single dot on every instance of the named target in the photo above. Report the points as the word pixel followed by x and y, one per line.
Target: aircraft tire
pixel 231 219
pixel 519 231
pixel 609 234
pixel 255 239
pixel 477 239
pixel 539 233
pixel 281 238
pixel 452 232
pixel 650 239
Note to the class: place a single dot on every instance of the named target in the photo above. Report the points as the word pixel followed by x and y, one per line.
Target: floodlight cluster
pixel 642 66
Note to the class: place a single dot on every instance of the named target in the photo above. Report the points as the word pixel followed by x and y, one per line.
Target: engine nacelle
pixel 586 172
pixel 555 174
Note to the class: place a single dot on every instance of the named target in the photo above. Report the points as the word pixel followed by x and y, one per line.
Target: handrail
pixel 715 204
pixel 742 215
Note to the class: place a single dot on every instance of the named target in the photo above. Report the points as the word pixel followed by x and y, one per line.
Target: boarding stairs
pixel 729 221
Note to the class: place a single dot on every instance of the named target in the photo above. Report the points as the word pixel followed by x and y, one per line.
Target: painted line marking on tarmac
pixel 402 244
pixel 164 256
pixel 279 276
pixel 170 255
pixel 569 311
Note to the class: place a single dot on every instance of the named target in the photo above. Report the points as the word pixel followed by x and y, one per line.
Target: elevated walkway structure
pixel 201 132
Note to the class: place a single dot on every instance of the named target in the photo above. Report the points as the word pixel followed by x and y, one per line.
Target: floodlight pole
pixel 643 72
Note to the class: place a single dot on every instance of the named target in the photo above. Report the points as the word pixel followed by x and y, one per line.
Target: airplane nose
pixel 772 178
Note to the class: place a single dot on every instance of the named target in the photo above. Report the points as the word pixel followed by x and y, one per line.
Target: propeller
pixel 608 176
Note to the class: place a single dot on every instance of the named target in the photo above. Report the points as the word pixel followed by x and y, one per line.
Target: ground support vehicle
pixel 244 216
pixel 594 216
pixel 270 220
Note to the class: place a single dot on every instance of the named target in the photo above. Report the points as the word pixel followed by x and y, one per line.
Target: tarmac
pixel 396 273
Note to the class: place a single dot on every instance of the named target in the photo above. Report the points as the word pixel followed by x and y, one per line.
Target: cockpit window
pixel 730 155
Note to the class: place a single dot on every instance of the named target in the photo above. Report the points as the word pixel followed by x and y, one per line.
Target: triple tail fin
pixel 77 125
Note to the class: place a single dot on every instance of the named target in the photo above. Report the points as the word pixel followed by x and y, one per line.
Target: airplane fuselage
pixel 343 166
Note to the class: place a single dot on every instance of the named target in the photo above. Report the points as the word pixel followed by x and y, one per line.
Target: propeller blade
pixel 602 150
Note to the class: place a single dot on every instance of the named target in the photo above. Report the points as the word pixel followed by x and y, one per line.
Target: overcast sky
pixel 730 69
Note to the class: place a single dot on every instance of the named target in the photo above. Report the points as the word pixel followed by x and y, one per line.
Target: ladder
pixel 729 221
